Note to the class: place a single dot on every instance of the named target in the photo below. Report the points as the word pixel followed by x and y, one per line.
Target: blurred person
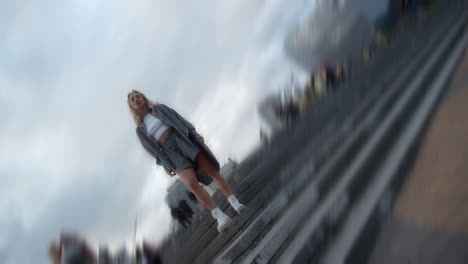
pixel 327 74
pixel 406 5
pixel 180 217
pixel 339 72
pixel 306 96
pixel 186 210
pixel 140 258
pixel 104 255
pixel 232 163
pixel 151 254
pixel 192 196
pixel 291 111
pixel 73 250
pixel 175 144
pixel 313 95
pixel 319 85
pixel 76 250
pixel 54 253
pixel 194 201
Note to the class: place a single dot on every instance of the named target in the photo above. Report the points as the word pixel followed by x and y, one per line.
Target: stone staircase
pixel 316 194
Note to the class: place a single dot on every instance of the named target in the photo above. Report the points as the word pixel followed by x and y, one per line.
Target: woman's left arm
pixel 198 136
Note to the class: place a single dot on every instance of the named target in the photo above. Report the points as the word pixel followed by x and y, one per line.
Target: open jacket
pixel 171 118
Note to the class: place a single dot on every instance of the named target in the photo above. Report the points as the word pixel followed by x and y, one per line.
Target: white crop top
pixel 154 125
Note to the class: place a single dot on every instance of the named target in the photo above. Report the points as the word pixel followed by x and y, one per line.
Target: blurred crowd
pixel 71 249
pixel 281 111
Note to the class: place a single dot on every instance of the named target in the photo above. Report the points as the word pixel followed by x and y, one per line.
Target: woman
pixel 176 146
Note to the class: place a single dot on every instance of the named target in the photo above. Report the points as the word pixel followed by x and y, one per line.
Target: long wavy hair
pixel 136 114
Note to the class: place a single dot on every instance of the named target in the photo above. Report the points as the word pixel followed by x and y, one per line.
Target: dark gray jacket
pixel 170 117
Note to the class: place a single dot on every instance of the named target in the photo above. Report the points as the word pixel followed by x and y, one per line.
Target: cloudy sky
pixel 69 157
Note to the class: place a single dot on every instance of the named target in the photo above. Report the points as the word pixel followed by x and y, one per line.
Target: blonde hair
pixel 139 115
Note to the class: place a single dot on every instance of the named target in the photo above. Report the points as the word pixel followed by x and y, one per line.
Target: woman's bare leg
pixel 206 165
pixel 189 178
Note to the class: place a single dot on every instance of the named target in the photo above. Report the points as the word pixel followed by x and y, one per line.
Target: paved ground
pixel 430 219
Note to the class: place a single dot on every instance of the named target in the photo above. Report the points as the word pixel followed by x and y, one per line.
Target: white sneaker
pixel 223 220
pixel 235 204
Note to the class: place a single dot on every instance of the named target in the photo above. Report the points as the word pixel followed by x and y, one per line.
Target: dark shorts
pixel 180 151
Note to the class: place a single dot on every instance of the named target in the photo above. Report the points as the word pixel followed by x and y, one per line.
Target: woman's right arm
pixel 152 152
pixel 147 146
